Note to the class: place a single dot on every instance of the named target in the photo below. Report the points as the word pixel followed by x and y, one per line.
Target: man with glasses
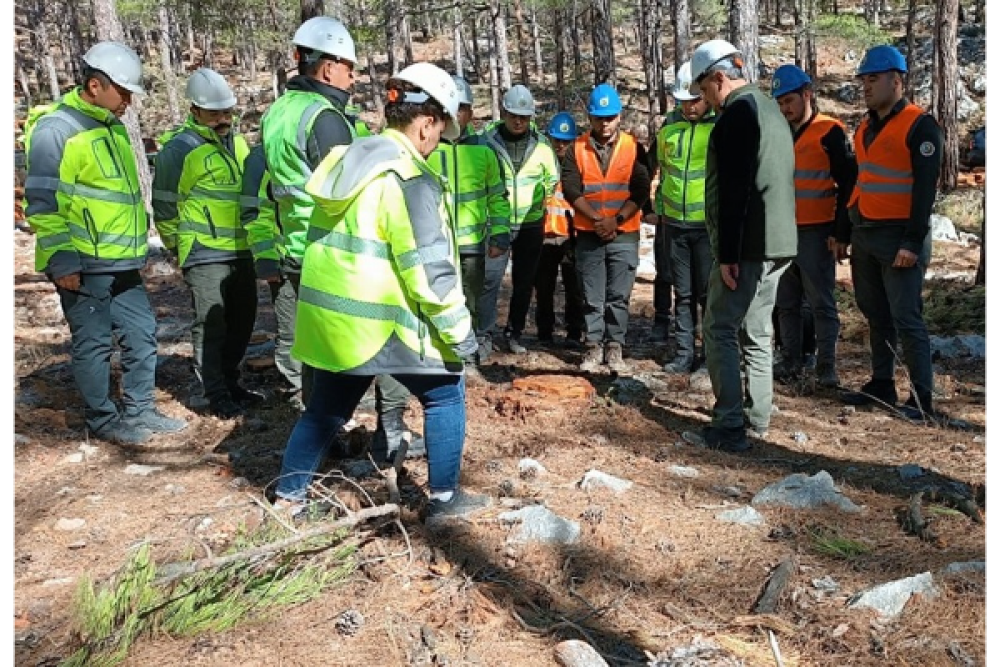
pixel 750 216
pixel 298 131
pixel 196 205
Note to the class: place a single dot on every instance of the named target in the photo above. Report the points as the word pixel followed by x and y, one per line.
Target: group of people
pixel 385 253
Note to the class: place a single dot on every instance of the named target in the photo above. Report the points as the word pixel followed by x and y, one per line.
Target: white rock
pixel 943 229
pixel 75 457
pixel 961 568
pixel 745 516
pixel 69 525
pixel 890 598
pixel 683 471
pixel 89 450
pixel 595 479
pixel 20 439
pixel 58 582
pixel 141 470
pixel 528 467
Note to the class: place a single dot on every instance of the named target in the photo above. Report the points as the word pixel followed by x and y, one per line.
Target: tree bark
pixel 73 41
pixel 477 57
pixel 743 29
pixel 522 40
pixel 494 73
pixel 537 42
pixel 498 14
pixel 947 112
pixel 981 271
pixel 169 79
pixel 911 42
pixel 391 13
pixel 559 25
pixel 805 47
pixel 404 30
pixel 23 81
pixel 604 48
pixel 681 16
pixel 309 9
pixel 375 88
pixel 457 40
pixel 872 12
pixel 575 36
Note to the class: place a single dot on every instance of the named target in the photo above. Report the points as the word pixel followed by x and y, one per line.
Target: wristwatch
pixel 619 219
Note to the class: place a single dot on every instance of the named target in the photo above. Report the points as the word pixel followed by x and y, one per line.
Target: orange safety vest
pixel 885 175
pixel 557 214
pixel 606 193
pixel 815 189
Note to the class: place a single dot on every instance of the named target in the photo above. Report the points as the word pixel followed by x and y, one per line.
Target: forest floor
pixel 653 570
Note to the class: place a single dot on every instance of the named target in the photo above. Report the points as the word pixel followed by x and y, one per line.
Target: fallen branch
pixel 767 622
pixel 912 520
pixel 768 602
pixel 177 571
pixel 966 506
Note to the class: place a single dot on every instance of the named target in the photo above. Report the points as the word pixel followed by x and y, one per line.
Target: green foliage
pixel 827 542
pixel 709 14
pixel 111 618
pixel 850 28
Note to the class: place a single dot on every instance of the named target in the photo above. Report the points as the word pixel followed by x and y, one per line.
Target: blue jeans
pixel 331 404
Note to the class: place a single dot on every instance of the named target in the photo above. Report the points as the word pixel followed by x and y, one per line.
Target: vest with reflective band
pixel 557 214
pixel 815 189
pixel 682 151
pixel 93 204
pixel 527 189
pixel 259 215
pixel 284 130
pixel 885 175
pixel 208 195
pixel 475 196
pixel 374 297
pixel 606 193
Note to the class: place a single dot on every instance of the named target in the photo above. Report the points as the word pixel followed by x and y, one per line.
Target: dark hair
pixel 87 73
pixel 400 113
pixel 310 60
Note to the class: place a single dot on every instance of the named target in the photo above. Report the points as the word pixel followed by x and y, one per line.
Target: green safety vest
pixel 381 288
pixel 682 151
pixel 258 210
pixel 84 200
pixel 285 128
pixel 200 180
pixel 476 196
pixel 530 187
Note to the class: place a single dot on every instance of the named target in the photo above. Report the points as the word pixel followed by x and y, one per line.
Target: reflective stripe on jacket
pixel 557 214
pixel 682 153
pixel 381 289
pixel 82 191
pixel 885 174
pixel 258 212
pixel 285 129
pixel 815 189
pixel 606 193
pixel 476 196
pixel 196 194
pixel 533 183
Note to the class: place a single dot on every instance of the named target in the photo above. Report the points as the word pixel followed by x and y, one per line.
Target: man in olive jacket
pixel 750 215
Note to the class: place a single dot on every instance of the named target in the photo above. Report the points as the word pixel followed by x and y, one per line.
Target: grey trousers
pixel 285 296
pixel 607 273
pixel 812 274
pixel 225 309
pixel 737 334
pixel 892 302
pixel 473 277
pixel 107 306
pixel 525 250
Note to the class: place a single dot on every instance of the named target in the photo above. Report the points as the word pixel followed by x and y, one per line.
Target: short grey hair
pixel 727 67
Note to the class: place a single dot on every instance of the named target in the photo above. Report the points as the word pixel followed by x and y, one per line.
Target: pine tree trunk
pixel 537 42
pixel 404 29
pixel 169 79
pixel 23 81
pixel 499 19
pixel 647 45
pixel 947 112
pixel 559 25
pixel 871 12
pixel 981 271
pixel 522 40
pixel 911 42
pixel 52 74
pixel 208 48
pixel 477 58
pixel 376 88
pixel 72 40
pixel 494 74
pixel 251 41
pixel 744 35
pixel 309 9
pixel 681 15
pixel 391 13
pixel 604 50
pixel 805 48
pixel 981 12
pixel 577 43
pixel 457 40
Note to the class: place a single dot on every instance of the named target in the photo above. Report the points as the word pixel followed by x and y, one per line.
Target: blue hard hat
pixel 883 58
pixel 788 79
pixel 562 126
pixel 604 101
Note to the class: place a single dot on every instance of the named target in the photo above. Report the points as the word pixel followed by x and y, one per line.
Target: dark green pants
pixel 607 274
pixel 285 296
pixel 111 305
pixel 225 308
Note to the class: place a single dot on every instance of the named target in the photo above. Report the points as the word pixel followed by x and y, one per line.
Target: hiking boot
pixel 809 361
pixel 225 408
pixel 593 357
pixel 921 413
pixel 786 372
pixel 730 440
pixel 872 392
pixel 826 376
pixel 245 396
pixel 513 342
pixel 681 365
pixel 123 433
pixel 485 349
pixel 461 505
pixel 756 432
pixel 155 421
pixel 613 357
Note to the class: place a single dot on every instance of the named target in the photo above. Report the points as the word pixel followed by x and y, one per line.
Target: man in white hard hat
pixel 750 216
pixel 86 208
pixel 297 131
pixel 531 173
pixel 681 247
pixel 385 291
pixel 196 205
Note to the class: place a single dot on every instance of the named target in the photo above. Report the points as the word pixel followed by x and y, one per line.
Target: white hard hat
pixel 437 84
pixel 708 55
pixel 682 83
pixel 207 89
pixel 464 90
pixel 119 62
pixel 518 101
pixel 326 35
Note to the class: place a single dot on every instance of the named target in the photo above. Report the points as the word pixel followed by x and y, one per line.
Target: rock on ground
pixel 889 599
pixel 800 491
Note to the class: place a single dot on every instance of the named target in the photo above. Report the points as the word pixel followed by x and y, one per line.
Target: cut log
pixel 768 602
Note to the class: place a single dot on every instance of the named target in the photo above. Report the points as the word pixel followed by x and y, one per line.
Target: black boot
pixel 389 436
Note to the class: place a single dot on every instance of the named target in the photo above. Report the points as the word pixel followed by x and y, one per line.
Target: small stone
pixel 507 488
pixel 800 438
pixel 827 584
pixel 683 471
pixel 889 599
pixel 239 483
pixel 494 466
pixel 595 479
pixel 75 457
pixel 961 568
pixel 350 622
pixel 89 450
pixel 21 439
pixel 840 630
pixel 174 489
pixel 530 468
pixel 745 516
pixel 577 653
pixel 68 525
pixel 80 544
pixel 58 582
pixel 204 524
pixel 65 491
pixel 141 470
